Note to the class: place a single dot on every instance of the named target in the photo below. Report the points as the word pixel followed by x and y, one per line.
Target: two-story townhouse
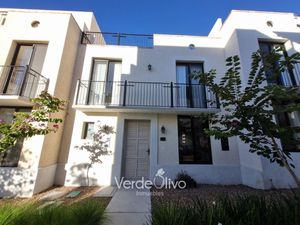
pixel 145 92
pixel 38 52
pixel 140 85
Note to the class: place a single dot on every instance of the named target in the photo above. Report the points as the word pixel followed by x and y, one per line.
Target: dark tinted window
pixel 194 144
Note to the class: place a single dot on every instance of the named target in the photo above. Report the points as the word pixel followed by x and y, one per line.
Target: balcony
pixel 20 83
pixel 128 96
pixel 108 38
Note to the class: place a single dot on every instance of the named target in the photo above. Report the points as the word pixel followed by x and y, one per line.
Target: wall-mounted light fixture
pixel 149 67
pixel 191 46
pixel 35 23
pixel 163 129
pixel 269 23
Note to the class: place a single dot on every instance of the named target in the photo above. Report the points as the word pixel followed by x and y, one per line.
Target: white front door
pixel 136 149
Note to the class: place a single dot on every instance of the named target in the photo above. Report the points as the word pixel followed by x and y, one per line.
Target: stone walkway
pixel 129 207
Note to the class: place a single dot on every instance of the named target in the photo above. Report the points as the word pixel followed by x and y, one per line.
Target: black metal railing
pixel 21 81
pixel 144 94
pixel 108 38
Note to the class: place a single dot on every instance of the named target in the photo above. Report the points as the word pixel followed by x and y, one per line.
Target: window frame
pixel 225 144
pixel 194 137
pixel 85 130
pixel 2 157
pixel 189 82
pixel 92 70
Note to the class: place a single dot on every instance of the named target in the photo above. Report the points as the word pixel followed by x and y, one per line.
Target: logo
pixel 159 182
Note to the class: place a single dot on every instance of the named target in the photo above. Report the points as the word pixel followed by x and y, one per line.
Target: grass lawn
pixel 225 205
pixel 80 210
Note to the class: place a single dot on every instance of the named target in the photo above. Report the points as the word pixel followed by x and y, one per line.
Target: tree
pixel 251 110
pixel 97 147
pixel 40 121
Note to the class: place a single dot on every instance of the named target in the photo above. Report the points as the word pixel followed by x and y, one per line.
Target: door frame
pixel 123 159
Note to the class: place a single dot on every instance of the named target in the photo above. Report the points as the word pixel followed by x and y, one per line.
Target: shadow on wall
pixel 78 173
pixel 70 117
pixel 16 182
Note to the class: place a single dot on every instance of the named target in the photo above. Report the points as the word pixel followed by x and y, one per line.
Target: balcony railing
pixel 144 94
pixel 21 81
pixel 108 38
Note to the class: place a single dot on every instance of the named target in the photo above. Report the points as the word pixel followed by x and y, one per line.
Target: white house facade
pixel 139 85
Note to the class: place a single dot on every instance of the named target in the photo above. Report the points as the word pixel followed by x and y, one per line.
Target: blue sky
pixel 194 17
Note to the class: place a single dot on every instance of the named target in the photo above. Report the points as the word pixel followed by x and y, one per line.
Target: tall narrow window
pixel 194 144
pixel 286 78
pixel 188 90
pixel 102 88
pixel 224 144
pixel 10 158
pixel 31 55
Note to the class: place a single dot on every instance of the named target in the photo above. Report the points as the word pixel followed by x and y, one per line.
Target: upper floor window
pixel 10 158
pixel 104 74
pixel 194 144
pixel 13 80
pixel 189 93
pixel 286 78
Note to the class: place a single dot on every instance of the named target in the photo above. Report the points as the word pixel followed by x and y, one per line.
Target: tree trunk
pixel 286 163
pixel 87 175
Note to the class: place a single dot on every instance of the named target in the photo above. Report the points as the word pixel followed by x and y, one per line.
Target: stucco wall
pixel 62 40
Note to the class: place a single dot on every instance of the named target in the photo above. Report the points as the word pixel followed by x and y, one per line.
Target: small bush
pixel 183 176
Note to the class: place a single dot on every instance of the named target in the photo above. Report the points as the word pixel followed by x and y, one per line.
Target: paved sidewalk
pixel 129 207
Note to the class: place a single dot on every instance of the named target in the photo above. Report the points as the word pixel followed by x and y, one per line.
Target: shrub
pixel 240 210
pixel 89 212
pixel 183 176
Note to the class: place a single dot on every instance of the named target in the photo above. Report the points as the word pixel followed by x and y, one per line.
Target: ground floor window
pixel 10 158
pixel 194 144
pixel 290 120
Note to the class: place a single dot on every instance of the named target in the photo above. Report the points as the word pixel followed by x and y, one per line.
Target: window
pixel 286 78
pixel 3 16
pixel 224 144
pixel 10 158
pixel 31 55
pixel 194 144
pixel 188 90
pixel 102 90
pixel 289 120
pixel 88 130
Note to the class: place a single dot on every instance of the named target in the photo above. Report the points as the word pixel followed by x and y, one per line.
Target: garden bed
pixel 211 192
pixel 225 205
pixel 54 207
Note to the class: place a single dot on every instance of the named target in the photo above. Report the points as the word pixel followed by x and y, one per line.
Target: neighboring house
pixel 38 52
pixel 140 85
